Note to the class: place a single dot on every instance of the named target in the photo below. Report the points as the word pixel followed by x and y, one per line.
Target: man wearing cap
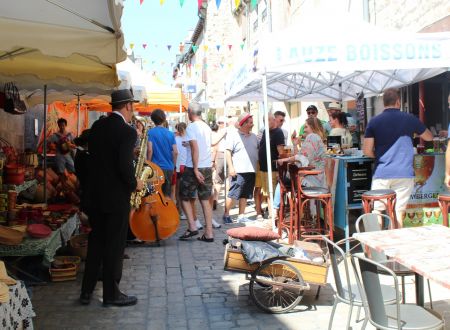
pixel 333 107
pixel 388 139
pixel 312 112
pixel 241 156
pixel 276 138
pixel 111 182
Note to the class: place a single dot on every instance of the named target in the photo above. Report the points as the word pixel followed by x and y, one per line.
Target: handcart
pixel 277 285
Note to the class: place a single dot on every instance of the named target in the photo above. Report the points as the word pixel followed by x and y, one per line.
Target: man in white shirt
pixel 197 176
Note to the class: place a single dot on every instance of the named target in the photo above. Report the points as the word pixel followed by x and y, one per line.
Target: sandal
pixel 188 234
pixel 205 239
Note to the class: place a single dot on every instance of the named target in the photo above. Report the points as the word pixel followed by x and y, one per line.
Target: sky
pixel 158 26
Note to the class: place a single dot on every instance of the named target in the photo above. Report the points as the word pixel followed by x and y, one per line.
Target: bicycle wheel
pixel 276 287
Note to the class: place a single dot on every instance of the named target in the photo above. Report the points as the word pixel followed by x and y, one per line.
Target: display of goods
pixel 31 159
pixel 29 173
pixel 9 236
pixel 39 231
pixel 79 244
pixel 14 174
pixel 52 176
pixel 61 271
pixel 61 260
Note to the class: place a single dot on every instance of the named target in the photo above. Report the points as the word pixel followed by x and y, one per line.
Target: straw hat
pixel 4 278
pixel 4 293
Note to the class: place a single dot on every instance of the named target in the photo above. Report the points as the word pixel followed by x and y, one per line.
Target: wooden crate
pixel 311 272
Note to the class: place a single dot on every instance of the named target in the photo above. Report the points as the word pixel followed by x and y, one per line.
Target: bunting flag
pixel 242 46
pixel 171 64
pixel 153 62
pixel 237 3
pixel 144 46
pixel 221 65
pixel 229 47
pixel 218 47
pixel 217 4
pixel 161 2
pixel 181 3
pixel 253 3
pixel 194 48
pixel 205 48
pixel 141 1
pixel 169 47
pixel 200 2
pixel 131 45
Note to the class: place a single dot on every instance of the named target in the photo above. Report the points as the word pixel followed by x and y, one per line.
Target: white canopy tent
pixel 335 60
pixel 61 43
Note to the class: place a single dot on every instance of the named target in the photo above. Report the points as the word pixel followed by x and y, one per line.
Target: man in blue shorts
pixel 388 139
pixel 241 154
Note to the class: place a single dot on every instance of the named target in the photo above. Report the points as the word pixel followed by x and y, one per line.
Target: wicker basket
pixel 63 272
pixel 61 260
pixel 78 245
pixel 9 236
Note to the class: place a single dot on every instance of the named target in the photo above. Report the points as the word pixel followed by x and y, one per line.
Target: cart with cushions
pixel 277 284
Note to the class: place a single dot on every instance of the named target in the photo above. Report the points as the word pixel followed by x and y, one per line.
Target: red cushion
pixel 252 234
pixel 39 231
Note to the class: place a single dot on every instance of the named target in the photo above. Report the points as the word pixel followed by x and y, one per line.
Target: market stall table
pixel 18 312
pixel 425 250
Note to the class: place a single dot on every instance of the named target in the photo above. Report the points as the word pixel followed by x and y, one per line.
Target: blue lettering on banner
pixel 424 52
pixel 294 53
pixel 332 54
pixel 364 52
pixel 410 51
pixel 307 54
pixel 385 53
pixel 397 52
pixel 351 53
pixel 436 51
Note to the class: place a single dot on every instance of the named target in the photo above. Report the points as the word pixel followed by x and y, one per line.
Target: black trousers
pixel 106 246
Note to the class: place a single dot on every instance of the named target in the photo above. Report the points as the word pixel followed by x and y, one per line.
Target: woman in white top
pixel 339 127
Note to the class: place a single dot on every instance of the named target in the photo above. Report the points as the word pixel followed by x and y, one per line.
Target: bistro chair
pixel 384 196
pixel 375 222
pixel 394 316
pixel 444 201
pixel 287 219
pixel 347 290
pixel 309 228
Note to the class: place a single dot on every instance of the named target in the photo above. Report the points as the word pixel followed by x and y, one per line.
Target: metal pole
pixel 225 112
pixel 268 153
pixel 78 114
pixel 45 144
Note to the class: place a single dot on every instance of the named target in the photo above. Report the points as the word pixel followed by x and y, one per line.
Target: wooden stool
pixel 286 221
pixel 444 201
pixel 307 229
pixel 385 196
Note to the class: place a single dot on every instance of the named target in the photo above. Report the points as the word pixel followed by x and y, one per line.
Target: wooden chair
pixel 385 196
pixel 444 201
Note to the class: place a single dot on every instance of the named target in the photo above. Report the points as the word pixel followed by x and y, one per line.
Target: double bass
pixel 153 216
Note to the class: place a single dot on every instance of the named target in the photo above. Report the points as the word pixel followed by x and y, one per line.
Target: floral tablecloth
pixel 44 246
pixel 18 313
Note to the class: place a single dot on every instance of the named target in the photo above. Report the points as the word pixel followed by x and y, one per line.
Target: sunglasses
pixel 311 112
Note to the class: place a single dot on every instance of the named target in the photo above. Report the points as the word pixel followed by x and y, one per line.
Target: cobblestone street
pixel 182 285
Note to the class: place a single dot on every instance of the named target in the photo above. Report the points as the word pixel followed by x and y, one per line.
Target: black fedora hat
pixel 122 96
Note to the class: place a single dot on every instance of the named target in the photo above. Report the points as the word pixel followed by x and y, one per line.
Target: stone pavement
pixel 182 285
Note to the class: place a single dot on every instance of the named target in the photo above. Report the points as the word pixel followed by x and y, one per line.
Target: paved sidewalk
pixel 182 285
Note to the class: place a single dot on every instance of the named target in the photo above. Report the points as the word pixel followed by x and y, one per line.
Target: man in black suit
pixel 111 182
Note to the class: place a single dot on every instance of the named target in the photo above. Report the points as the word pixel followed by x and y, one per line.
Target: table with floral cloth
pixel 18 313
pixel 43 246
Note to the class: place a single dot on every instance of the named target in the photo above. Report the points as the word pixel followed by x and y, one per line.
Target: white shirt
pixel 199 131
pixel 181 158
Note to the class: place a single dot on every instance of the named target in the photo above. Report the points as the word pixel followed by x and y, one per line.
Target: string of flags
pixel 237 3
pixel 181 46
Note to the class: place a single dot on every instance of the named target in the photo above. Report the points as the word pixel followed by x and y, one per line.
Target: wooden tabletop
pixel 425 250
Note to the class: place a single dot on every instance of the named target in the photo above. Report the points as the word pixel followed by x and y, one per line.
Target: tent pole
pixel 225 113
pixel 78 114
pixel 45 144
pixel 269 156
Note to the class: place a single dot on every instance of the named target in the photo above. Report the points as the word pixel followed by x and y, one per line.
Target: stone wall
pixel 12 129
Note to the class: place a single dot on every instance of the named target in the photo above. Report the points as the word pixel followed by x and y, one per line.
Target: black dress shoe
pixel 122 300
pixel 85 298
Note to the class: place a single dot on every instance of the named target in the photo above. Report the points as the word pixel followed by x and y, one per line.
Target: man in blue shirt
pixel 162 149
pixel 388 139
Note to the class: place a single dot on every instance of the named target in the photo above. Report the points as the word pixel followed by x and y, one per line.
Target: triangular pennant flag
pixel 144 46
pixel 194 48
pixel 153 62
pixel 200 2
pixel 221 65
pixel 205 48
pixel 229 47
pixel 181 3
pixel 217 4
pixel 253 3
pixel 171 64
pixel 161 2
pixel 218 47
pixel 141 1
pixel 131 45
pixel 242 46
pixel 169 47
pixel 237 3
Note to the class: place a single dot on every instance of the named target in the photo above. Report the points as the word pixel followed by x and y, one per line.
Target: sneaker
pixel 227 220
pixel 183 216
pixel 198 224
pixel 259 217
pixel 243 220
pixel 215 224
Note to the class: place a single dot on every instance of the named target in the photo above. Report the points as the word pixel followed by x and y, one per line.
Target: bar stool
pixel 286 221
pixel 444 200
pixel 322 197
pixel 385 196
